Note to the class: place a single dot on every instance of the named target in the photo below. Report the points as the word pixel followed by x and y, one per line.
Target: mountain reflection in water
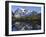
pixel 21 26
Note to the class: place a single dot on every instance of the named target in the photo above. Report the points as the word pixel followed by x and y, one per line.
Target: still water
pixel 22 26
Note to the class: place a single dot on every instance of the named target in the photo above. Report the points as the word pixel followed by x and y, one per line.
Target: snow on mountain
pixel 28 12
pixel 22 9
pixel 22 12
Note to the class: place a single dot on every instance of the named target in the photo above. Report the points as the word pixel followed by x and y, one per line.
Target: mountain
pixel 22 12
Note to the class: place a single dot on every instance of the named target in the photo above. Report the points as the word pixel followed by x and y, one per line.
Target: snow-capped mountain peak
pixel 22 12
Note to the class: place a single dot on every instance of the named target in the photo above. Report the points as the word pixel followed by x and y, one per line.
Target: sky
pixel 32 8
